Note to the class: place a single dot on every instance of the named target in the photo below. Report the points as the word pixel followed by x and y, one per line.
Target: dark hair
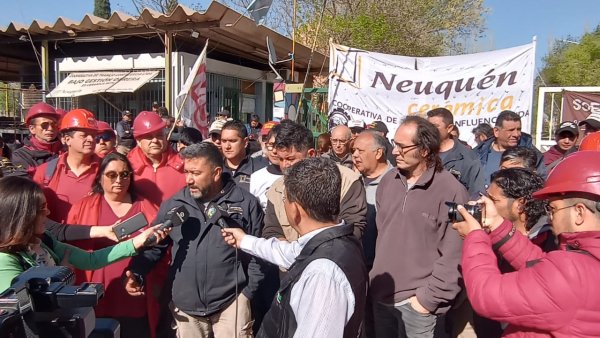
pixel 321 198
pixel 274 131
pixel 114 156
pixel 236 125
pixel 327 142
pixel 205 150
pixel 506 115
pixel 427 138
pixel 5 149
pixel 20 202
pixel 189 136
pixel 163 112
pixel 483 129
pixel 523 154
pixel 521 183
pixel 444 113
pixel 295 135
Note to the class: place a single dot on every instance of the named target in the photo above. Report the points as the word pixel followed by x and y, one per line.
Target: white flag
pixel 258 10
pixel 191 100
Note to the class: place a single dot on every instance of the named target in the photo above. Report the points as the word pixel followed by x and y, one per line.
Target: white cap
pixel 356 124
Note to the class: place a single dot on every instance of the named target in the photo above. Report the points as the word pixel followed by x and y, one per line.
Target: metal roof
pixel 227 30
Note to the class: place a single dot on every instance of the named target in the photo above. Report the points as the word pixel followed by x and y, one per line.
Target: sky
pixel 509 23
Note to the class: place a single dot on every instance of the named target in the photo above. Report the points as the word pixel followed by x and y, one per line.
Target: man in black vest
pixel 323 294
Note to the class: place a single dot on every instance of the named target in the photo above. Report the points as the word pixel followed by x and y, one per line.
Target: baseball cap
pixel 593 120
pixel 216 127
pixel 264 131
pixel 126 112
pixel 379 126
pixel 356 124
pixel 568 126
pixel 224 112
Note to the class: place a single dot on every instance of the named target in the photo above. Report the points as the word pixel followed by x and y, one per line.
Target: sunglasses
pixel 124 175
pixel 104 137
pixel 47 125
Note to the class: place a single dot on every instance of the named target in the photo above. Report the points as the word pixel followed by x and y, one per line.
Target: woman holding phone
pixel 113 199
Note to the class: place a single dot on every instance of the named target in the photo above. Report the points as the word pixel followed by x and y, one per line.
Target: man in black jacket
pixel 125 140
pixel 203 269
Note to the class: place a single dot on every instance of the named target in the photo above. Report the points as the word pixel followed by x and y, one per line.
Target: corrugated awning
pixel 85 83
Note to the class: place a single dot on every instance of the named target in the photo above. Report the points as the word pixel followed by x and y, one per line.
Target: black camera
pixel 455 216
pixel 42 302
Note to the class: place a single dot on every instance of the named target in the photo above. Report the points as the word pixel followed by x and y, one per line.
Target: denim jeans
pixel 404 322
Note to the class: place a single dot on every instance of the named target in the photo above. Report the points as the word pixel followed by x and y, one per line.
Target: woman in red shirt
pixel 113 198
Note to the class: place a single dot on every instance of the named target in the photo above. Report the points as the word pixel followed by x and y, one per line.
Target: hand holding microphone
pixel 174 218
pixel 231 236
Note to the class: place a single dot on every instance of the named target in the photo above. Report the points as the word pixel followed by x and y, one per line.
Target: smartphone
pixel 130 225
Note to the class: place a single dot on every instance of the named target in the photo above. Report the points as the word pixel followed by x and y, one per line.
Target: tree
pixel 102 8
pixel 416 28
pixel 574 62
pixel 163 6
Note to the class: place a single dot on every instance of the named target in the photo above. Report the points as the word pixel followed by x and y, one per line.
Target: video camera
pixel 43 302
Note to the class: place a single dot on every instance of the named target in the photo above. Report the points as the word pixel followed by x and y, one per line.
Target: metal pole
pixel 168 69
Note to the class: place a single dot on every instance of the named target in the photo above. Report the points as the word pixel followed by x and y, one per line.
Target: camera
pixel 43 302
pixel 455 216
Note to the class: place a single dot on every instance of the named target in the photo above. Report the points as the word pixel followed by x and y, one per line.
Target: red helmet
pixel 41 109
pixel 591 142
pixel 579 172
pixel 104 126
pixel 147 122
pixel 78 119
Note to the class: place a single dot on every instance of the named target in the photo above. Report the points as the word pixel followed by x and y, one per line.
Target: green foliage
pixel 574 63
pixel 416 27
pixel 102 8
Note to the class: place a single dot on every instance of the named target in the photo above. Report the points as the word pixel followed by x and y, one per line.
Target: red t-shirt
pixel 116 301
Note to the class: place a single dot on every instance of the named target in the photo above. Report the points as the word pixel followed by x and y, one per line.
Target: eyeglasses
pixel 47 125
pixel 404 149
pixel 336 141
pixel 104 137
pixel 112 175
pixel 551 211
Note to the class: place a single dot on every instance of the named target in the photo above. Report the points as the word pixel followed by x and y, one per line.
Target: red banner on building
pixel 577 106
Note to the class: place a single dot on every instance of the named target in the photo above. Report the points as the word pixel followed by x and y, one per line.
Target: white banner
pixel 474 87
pixel 191 100
pixel 85 83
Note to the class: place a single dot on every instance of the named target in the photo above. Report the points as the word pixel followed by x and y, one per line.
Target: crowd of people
pixel 353 233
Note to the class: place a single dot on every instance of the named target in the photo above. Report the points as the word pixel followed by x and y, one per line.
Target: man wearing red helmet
pixel 43 143
pixel 69 177
pixel 105 140
pixel 157 167
pixel 549 294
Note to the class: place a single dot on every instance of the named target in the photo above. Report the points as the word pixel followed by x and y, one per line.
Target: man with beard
pixel 43 143
pixel 204 298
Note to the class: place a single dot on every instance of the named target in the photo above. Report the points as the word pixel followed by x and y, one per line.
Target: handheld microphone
pixel 174 218
pixel 216 215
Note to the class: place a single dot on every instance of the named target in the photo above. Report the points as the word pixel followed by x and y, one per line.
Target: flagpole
pixel 178 115
pixel 180 108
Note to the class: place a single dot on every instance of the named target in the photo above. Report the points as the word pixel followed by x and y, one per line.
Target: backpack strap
pixel 50 169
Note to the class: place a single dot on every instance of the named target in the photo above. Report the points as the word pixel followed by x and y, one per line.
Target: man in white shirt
pixel 323 294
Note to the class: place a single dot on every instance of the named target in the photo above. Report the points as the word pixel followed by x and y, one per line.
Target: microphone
pixel 216 215
pixel 174 218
